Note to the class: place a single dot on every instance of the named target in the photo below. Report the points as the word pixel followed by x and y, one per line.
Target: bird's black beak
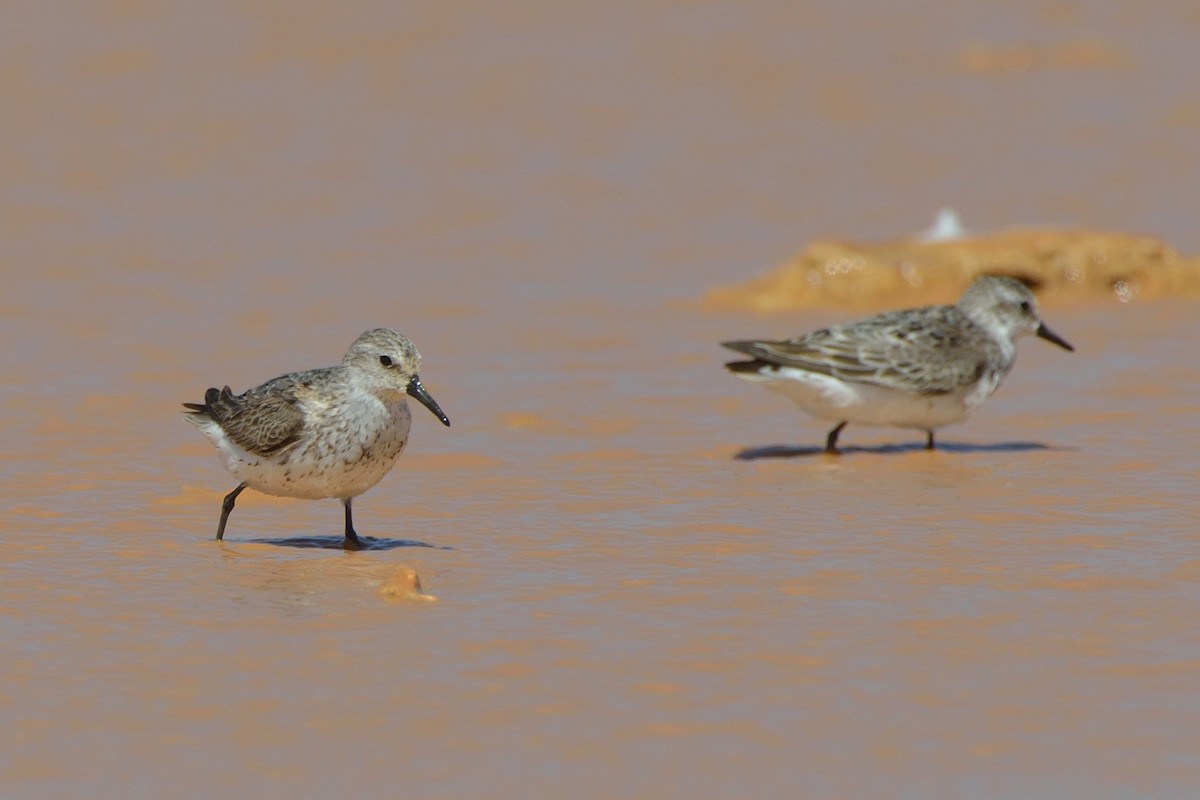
pixel 415 389
pixel 1047 334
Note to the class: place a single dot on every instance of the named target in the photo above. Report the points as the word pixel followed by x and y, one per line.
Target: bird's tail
pixel 201 412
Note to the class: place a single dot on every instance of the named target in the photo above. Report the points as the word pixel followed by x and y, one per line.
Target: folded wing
pixel 926 353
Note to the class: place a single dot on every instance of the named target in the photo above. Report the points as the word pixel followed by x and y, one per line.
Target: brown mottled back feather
pixel 931 350
pixel 264 420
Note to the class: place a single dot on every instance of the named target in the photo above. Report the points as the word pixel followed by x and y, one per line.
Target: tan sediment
pixel 405 584
pixel 1063 265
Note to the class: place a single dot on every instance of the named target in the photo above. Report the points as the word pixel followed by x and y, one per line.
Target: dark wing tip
pixel 211 398
pixel 746 366
pixel 748 346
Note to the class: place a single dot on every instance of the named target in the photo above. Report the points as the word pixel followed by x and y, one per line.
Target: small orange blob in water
pixel 405 584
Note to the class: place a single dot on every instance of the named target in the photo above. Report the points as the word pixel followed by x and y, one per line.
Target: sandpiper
pixel 324 433
pixel 921 368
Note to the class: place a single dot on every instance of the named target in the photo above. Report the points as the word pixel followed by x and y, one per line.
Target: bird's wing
pixel 264 421
pixel 928 351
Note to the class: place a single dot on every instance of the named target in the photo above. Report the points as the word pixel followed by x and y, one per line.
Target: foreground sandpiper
pixel 921 368
pixel 325 433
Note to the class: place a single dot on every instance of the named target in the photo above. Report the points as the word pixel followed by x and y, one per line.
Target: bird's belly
pixel 343 475
pixel 868 404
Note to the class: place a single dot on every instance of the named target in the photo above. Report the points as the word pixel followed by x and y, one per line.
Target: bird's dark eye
pixel 385 360
pixel 1026 307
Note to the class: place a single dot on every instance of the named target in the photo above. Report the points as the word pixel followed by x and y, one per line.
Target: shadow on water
pixel 787 451
pixel 340 543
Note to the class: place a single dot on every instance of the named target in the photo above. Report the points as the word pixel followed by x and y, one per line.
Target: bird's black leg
pixel 226 507
pixel 929 441
pixel 831 440
pixel 352 540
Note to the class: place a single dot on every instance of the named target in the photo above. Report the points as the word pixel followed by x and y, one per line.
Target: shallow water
pixel 647 583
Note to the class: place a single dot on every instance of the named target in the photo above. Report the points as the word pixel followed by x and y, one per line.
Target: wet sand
pixel 637 577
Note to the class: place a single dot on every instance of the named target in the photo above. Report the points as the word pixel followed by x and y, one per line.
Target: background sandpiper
pixel 921 368
pixel 325 433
